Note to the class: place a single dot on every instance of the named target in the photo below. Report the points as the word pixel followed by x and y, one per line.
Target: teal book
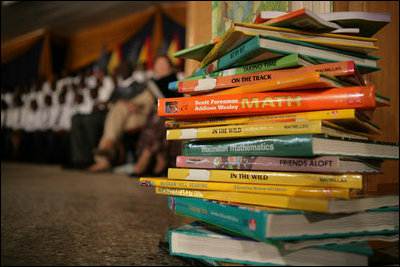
pixel 263 47
pixel 200 241
pixel 285 62
pixel 269 224
pixel 302 145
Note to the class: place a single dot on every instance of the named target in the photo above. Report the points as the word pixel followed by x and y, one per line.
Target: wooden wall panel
pixel 387 82
pixel 198 28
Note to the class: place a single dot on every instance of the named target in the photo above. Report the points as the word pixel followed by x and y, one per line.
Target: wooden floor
pixel 51 216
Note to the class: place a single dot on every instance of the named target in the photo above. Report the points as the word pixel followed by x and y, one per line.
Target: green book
pixel 288 61
pixel 262 47
pixel 302 145
pixel 197 52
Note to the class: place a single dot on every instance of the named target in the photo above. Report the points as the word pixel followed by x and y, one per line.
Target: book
pixel 323 205
pixel 305 191
pixel 353 181
pixel 239 33
pixel 265 129
pixel 287 61
pixel 264 47
pixel 201 241
pixel 303 19
pixel 305 145
pixel 265 15
pixel 197 52
pixel 267 103
pixel 369 23
pixel 263 223
pixel 210 84
pixel 309 164
pixel 344 117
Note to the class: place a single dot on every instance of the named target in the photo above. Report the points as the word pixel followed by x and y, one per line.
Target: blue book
pixel 196 240
pixel 263 47
pixel 268 224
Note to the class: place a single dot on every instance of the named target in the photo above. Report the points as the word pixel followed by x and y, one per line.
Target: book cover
pixel 309 164
pixel 349 118
pixel 358 97
pixel 305 191
pixel 207 242
pixel 197 52
pixel 345 70
pixel 264 129
pixel 323 205
pixel 239 33
pixel 265 224
pixel 268 177
pixel 305 145
pixel 369 23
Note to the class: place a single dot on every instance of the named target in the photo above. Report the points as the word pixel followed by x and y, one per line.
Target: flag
pixel 174 47
pixel 115 59
pixel 145 54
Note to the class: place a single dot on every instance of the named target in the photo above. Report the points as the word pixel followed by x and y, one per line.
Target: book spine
pixel 358 97
pixel 277 201
pixel 243 221
pixel 211 84
pixel 271 178
pixel 305 191
pixel 340 114
pixel 246 130
pixel 287 145
pixel 317 164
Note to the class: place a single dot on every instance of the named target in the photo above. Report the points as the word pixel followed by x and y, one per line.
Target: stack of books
pixel 277 138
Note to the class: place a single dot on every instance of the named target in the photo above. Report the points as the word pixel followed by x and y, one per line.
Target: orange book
pixel 311 80
pixel 347 69
pixel 357 97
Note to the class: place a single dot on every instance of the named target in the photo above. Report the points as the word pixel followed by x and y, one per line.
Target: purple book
pixel 314 164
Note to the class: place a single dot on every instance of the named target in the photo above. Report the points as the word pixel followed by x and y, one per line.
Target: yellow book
pixel 265 129
pixel 239 33
pixel 325 205
pixel 270 178
pixel 340 116
pixel 303 191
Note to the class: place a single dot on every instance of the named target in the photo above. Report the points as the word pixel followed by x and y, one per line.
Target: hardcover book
pixel 323 205
pixel 206 242
pixel 268 177
pixel 305 145
pixel 264 224
pixel 304 191
pixel 345 70
pixel 239 33
pixel 349 118
pixel 265 129
pixel 309 164
pixel 263 47
pixel 357 97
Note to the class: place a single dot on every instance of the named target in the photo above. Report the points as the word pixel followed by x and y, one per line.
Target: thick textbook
pixel 209 84
pixel 263 47
pixel 304 191
pixel 349 118
pixel 323 205
pixel 268 177
pixel 239 33
pixel 267 103
pixel 309 164
pixel 265 129
pixel 305 145
pixel 206 242
pixel 262 223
